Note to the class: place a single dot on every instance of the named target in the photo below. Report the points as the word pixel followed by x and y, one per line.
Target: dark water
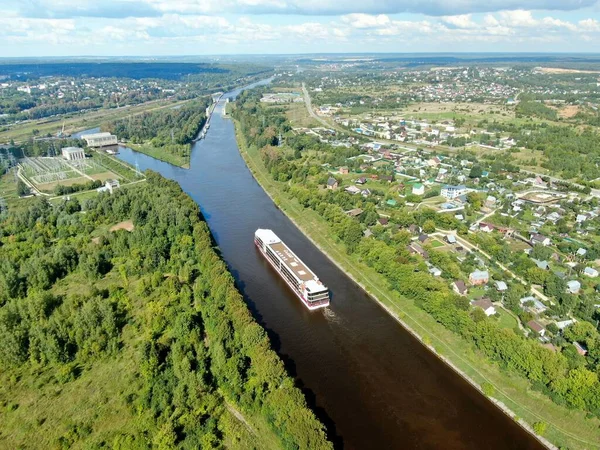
pixel 369 380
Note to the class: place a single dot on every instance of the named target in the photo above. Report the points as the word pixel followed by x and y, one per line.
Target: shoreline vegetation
pixel 158 153
pixel 136 337
pixel 166 134
pixel 510 392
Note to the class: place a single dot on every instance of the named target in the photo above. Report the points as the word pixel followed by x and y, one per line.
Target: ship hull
pixel 298 294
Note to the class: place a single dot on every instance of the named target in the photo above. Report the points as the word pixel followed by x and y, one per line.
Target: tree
pixel 22 188
pixel 475 172
pixel 429 226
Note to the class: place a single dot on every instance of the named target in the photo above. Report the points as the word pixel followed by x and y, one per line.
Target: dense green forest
pixel 134 339
pixel 567 377
pixel 169 130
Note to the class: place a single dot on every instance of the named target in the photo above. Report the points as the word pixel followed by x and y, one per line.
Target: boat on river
pixel 305 284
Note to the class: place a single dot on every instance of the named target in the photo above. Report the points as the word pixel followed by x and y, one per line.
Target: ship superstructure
pixel 305 284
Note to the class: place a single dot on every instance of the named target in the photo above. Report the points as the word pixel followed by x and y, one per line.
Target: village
pixel 513 243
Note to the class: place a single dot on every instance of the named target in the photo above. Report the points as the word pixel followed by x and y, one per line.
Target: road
pixel 308 103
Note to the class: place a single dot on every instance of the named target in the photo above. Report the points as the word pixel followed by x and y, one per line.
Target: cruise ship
pixel 295 273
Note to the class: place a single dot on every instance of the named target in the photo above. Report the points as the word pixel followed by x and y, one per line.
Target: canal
pixel 368 380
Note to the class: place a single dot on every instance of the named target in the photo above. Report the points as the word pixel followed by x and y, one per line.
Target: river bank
pixel 157 153
pixel 511 393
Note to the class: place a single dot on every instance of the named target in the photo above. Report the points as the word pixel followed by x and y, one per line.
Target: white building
pixel 73 153
pixel 451 192
pixel 109 186
pixel 100 139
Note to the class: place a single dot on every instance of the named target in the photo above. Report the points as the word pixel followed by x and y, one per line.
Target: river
pixel 372 383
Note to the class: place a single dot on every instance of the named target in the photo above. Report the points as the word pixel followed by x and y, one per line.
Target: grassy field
pixel 298 116
pixel 163 155
pixel 566 428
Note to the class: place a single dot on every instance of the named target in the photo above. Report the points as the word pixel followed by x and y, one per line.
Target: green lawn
pixel 567 428
pixel 437 244
pixel 506 320
pixel 176 160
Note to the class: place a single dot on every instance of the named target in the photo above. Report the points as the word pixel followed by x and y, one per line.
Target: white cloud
pixel 460 21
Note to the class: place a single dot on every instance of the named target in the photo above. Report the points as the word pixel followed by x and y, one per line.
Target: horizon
pixel 152 28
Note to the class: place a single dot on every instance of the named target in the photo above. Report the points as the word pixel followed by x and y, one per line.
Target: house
pixel 423 238
pixel 564 324
pixel 451 192
pixel 581 251
pixel 414 229
pixel 573 286
pixel 435 271
pixel 365 192
pixel 590 272
pixel 418 189
pixel 391 202
pixel 415 248
pixel 354 212
pixel 451 239
pixel 581 349
pixel 532 304
pixel 479 277
pixel 383 221
pixel 541 264
pixel 344 170
pixel 537 238
pixel 486 228
pixel 361 180
pixel 460 287
pixel 332 183
pixel 485 304
pixel 352 190
pixel 581 218
pixel 537 327
pixel 501 286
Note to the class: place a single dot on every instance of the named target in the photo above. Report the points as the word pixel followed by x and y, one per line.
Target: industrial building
pixel 73 153
pixel 100 139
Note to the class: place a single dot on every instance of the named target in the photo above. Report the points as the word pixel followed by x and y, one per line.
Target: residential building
pixel 537 327
pixel 352 190
pixel 590 272
pixel 332 183
pixel 537 238
pixel 479 277
pixel 418 189
pixel 485 304
pixel 451 192
pixel 532 304
pixel 460 287
pixel 573 286
pixel 501 286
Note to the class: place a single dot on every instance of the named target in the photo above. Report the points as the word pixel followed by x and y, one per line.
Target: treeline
pixel 70 189
pixel 568 378
pixel 528 107
pixel 157 305
pixel 169 129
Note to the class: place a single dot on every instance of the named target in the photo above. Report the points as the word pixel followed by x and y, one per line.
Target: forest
pixel 134 339
pixel 566 377
pixel 168 130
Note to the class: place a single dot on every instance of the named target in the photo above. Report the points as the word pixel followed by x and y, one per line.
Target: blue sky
pixel 197 27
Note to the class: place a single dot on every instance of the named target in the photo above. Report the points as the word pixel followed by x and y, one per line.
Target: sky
pixel 212 27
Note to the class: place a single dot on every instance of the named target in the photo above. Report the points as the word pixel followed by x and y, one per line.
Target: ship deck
pixel 292 262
